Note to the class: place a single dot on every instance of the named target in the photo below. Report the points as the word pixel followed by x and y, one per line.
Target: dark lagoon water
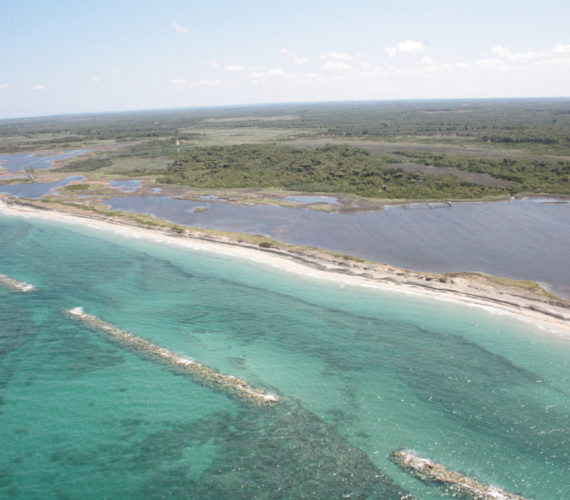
pixel 521 239
pixel 360 372
pixel 35 190
pixel 21 161
pixel 128 186
pixel 307 200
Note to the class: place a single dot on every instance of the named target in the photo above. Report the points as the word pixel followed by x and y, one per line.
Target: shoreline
pixel 525 301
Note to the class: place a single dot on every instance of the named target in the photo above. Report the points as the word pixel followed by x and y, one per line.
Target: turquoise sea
pixel 361 373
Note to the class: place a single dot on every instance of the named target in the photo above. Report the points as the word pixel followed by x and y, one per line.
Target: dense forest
pixel 341 169
pixel 524 175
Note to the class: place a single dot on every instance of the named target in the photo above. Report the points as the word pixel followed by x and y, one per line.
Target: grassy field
pixel 406 150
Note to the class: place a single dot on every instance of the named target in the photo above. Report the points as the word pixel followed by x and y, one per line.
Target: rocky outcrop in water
pixel 457 484
pixel 229 384
pixel 17 286
pixel 280 452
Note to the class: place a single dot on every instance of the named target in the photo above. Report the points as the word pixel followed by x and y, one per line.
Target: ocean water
pixel 360 372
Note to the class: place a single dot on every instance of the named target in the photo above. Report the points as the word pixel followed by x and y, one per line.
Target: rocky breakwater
pixel 457 484
pixel 275 450
pixel 229 384
pixel 17 286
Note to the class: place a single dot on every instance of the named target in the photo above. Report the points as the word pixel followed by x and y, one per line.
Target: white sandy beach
pixel 548 315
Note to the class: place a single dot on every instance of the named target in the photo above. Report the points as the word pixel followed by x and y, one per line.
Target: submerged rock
pixel 457 483
pixel 289 452
pixel 17 286
pixel 229 384
pixel 270 450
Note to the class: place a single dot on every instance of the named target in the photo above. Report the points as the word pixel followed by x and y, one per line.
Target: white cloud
pixel 506 59
pixel 4 85
pixel 179 83
pixel 180 29
pixel 496 71
pixel 500 51
pixel 407 47
pixel 39 86
pixel 433 68
pixel 340 56
pixel 234 67
pixel 337 66
pixel 294 59
pixel 488 63
pixel 270 73
pixel 206 83
pixel 96 79
pixel 561 48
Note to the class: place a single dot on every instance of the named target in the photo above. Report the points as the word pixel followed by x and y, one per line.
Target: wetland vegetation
pixel 406 150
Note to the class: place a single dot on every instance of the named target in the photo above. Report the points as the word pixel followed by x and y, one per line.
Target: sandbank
pixel 516 299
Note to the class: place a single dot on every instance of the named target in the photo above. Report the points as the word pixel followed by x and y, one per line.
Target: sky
pixel 60 57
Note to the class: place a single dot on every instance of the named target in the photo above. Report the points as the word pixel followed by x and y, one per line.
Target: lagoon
pixel 525 239
pixel 36 190
pixel 126 186
pixel 22 161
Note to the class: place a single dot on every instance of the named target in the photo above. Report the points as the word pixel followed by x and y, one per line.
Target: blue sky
pixel 89 56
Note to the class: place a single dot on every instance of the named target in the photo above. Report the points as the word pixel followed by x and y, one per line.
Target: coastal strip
pixel 229 384
pixel 457 483
pixel 17 286
pixel 524 303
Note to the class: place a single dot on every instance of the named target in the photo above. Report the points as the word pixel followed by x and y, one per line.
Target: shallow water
pixel 35 190
pixel 523 239
pixel 360 372
pixel 211 197
pixel 22 161
pixel 129 186
pixel 307 200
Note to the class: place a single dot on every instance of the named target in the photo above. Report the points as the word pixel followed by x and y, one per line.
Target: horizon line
pixel 282 103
